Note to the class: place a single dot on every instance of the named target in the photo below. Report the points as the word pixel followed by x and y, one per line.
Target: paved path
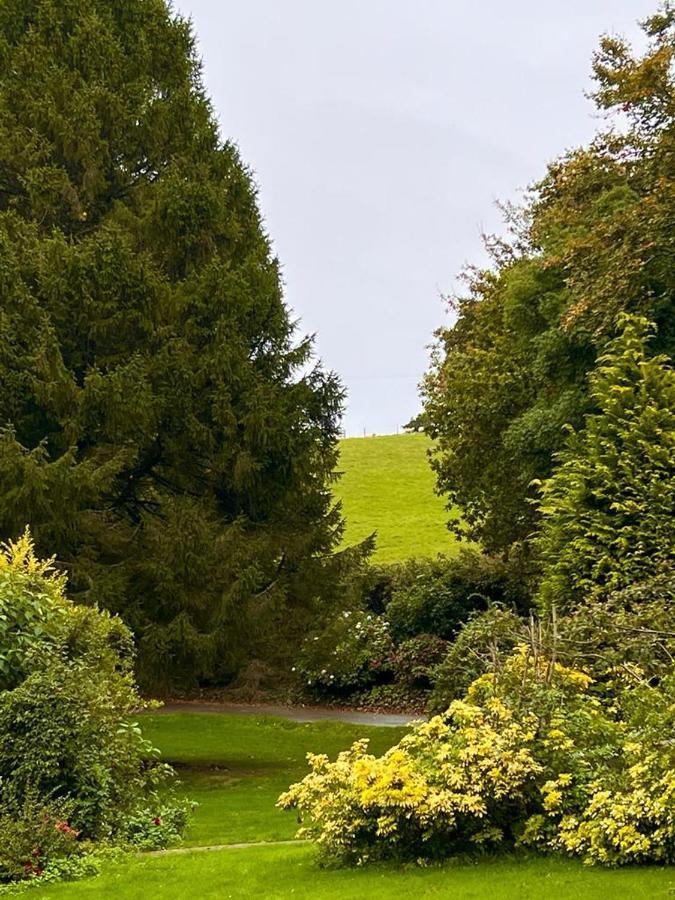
pixel 294 713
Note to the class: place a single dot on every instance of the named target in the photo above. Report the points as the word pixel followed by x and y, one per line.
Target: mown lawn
pixel 235 767
pixel 388 487
pixel 285 872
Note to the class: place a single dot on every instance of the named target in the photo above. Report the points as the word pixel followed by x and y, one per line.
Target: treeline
pixel 594 241
pixel 552 400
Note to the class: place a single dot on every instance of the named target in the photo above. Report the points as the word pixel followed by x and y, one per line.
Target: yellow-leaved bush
pixel 531 756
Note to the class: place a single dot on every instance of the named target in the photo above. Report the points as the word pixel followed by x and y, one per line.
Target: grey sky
pixel 381 132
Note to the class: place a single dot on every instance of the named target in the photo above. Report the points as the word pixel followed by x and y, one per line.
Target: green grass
pixel 235 767
pixel 388 487
pixel 284 872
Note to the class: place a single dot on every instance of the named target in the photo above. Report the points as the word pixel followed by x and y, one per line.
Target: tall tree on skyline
pixel 162 428
pixel 594 240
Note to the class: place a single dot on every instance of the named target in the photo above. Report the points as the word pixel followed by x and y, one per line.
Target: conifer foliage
pixel 608 509
pixel 162 430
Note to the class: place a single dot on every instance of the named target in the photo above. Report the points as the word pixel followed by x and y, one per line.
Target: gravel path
pixel 294 713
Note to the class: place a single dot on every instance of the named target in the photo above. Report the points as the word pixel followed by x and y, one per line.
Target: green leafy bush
pixel 438 596
pixel 391 696
pixel 608 509
pixel 32 609
pixel 64 733
pixel 70 751
pixel 409 612
pixel 154 832
pixel 481 644
pixel 530 756
pixel 625 630
pixel 351 652
pixel 414 661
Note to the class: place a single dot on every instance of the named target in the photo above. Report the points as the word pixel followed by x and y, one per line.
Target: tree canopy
pixel 609 507
pixel 162 428
pixel 594 240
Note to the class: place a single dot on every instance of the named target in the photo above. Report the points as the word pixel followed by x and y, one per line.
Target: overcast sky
pixel 381 133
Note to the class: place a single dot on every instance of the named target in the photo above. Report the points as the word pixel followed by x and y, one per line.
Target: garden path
pixel 294 713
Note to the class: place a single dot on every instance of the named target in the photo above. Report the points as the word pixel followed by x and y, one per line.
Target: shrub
pixel 352 652
pixel 64 733
pixel 35 835
pixel 395 695
pixel 608 509
pixel 68 742
pixel 414 661
pixel 482 643
pixel 438 596
pixel 630 816
pixel 32 609
pixel 528 757
pixel 153 832
pixel 626 630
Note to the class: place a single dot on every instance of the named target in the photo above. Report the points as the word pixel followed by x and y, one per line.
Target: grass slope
pixel 388 487
pixel 235 767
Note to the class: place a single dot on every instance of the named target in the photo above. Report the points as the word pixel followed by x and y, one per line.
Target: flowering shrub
pixel 351 652
pixel 529 756
pixel 34 837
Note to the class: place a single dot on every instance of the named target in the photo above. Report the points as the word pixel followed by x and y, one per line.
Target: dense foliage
pixel 351 652
pixel 75 770
pixel 436 596
pixel 481 645
pixel 529 757
pixel 608 510
pixel 386 646
pixel 557 378
pixel 161 428
pixel 594 240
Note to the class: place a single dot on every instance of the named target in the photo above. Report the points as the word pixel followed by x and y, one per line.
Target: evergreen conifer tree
pixel 608 510
pixel 161 428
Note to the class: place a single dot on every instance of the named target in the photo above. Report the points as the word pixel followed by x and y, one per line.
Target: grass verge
pixel 235 767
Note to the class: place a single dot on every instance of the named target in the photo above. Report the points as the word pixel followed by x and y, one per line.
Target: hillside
pixel 388 487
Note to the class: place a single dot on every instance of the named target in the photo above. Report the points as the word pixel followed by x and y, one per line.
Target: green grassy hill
pixel 388 487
